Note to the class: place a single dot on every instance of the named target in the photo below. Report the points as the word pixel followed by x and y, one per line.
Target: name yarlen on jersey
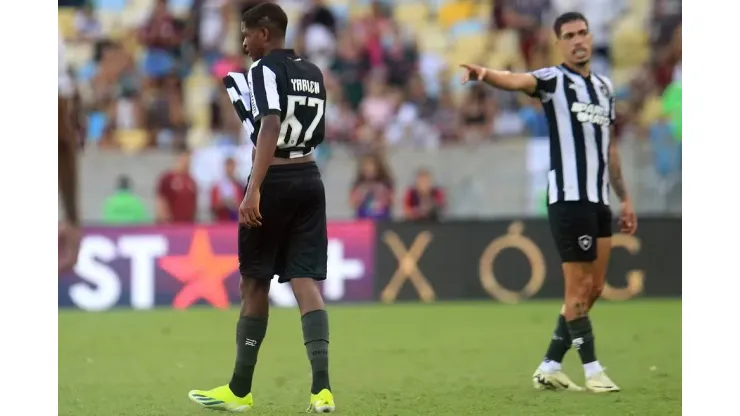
pixel 284 84
pixel 579 111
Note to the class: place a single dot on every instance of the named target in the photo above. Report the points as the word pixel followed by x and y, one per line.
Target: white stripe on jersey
pixel 567 144
pixel 271 89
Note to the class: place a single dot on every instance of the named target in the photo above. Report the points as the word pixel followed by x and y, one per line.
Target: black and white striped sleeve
pixel 238 90
pixel 263 91
pixel 547 81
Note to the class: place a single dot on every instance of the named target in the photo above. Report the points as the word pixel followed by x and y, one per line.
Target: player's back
pixel 301 97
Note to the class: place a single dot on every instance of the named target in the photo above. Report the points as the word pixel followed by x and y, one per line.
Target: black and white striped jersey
pixel 238 90
pixel 579 111
pixel 284 84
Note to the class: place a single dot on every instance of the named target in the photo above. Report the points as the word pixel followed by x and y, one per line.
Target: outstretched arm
pixel 534 83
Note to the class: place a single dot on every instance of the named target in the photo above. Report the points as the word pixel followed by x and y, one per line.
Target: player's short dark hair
pixel 268 15
pixel 567 18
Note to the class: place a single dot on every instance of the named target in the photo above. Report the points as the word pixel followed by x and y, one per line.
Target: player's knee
pixel 307 295
pixel 253 288
pixel 596 290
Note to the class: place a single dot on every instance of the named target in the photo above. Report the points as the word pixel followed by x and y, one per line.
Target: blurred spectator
pixel 372 192
pixel 86 24
pixel 113 95
pixel 350 66
pixel 210 22
pixel 124 207
pixel 668 59
pixel 177 193
pixel 424 201
pixel 476 115
pixel 227 194
pixel 666 15
pixel 445 117
pixel 341 121
pixel 526 17
pixel 533 116
pixel 370 31
pixel 162 37
pixel 318 14
pixel 376 109
pixel 319 45
pixel 166 114
pixel 406 125
pixel 399 57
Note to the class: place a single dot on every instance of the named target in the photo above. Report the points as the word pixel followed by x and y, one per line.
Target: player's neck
pixel 582 69
pixel 274 46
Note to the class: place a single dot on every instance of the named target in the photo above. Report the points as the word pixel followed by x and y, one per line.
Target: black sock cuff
pixel 581 328
pixel 315 326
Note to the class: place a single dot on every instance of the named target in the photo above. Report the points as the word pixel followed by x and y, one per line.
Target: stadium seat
pixel 455 11
pixel 411 13
pixel 467 28
pixel 432 39
pixel 66 19
pixel 131 140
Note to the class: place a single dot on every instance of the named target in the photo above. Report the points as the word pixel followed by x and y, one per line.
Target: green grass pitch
pixel 455 359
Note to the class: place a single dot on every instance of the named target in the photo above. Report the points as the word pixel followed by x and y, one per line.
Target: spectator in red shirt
pixel 227 194
pixel 177 193
pixel 424 201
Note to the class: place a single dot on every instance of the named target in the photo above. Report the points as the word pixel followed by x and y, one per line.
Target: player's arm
pixel 67 162
pixel 616 179
pixel 265 100
pixel 533 83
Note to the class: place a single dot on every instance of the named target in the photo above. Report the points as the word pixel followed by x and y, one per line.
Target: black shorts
pixel 576 225
pixel 292 240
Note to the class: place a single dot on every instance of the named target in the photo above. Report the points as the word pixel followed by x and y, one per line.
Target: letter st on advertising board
pixel 143 268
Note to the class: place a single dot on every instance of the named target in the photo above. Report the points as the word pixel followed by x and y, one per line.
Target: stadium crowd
pixel 148 77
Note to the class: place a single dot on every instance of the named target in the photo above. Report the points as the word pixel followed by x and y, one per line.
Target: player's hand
pixel 473 73
pixel 249 210
pixel 627 218
pixel 69 246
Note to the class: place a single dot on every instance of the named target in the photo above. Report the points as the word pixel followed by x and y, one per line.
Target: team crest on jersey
pixel 585 242
pixel 604 90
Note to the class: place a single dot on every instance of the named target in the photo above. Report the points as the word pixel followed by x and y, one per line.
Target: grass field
pixel 442 359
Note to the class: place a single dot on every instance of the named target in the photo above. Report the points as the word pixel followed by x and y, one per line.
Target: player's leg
pixel 258 250
pixel 603 252
pixel 573 225
pixel 250 331
pixel 596 379
pixel 305 266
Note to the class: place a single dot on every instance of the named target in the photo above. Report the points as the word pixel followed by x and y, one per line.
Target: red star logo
pixel 202 272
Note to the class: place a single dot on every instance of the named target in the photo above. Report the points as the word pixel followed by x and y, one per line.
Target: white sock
pixel 549 366
pixel 592 368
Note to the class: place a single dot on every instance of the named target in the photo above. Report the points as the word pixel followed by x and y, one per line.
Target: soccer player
pixel 283 215
pixel 69 231
pixel 580 110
